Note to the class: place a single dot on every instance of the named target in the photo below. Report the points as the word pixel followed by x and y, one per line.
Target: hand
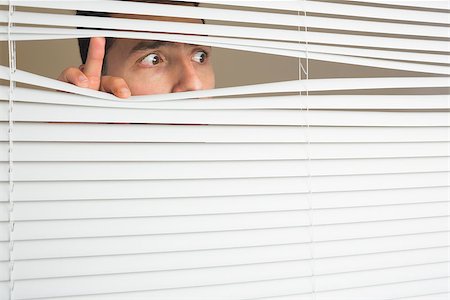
pixel 90 74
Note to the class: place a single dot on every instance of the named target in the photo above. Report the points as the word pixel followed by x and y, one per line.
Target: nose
pixel 187 78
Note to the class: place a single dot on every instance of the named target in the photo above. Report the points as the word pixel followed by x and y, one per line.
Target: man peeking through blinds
pixel 126 67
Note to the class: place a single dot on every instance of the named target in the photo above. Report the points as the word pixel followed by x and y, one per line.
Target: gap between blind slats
pixel 146 152
pixel 354 60
pixel 345 59
pixel 221 30
pixel 204 277
pixel 311 85
pixel 270 47
pixel 244 16
pixel 366 102
pixel 85 171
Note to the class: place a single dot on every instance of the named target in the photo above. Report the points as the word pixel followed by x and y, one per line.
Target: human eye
pixel 200 56
pixel 151 60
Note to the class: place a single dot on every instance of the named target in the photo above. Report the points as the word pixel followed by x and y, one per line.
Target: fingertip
pixel 124 93
pixel 98 39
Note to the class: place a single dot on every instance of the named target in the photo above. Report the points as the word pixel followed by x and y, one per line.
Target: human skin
pixel 143 67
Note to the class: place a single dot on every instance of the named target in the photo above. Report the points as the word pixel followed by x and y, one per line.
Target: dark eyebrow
pixel 144 45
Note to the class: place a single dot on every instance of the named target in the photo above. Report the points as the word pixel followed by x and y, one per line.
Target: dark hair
pixel 83 43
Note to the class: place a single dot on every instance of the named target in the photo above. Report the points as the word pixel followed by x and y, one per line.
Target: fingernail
pixel 125 93
pixel 83 81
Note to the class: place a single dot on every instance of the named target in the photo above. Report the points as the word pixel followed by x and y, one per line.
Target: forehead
pixel 129 44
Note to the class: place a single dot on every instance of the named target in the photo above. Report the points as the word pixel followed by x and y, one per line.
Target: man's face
pixel 155 67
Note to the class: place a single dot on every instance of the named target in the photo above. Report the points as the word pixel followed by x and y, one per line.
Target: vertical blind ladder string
pixel 12 68
pixel 302 70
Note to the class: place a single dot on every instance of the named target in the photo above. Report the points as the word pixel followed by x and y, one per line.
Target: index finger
pixel 94 61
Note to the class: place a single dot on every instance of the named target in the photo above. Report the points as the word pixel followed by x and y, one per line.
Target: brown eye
pixel 151 59
pixel 200 57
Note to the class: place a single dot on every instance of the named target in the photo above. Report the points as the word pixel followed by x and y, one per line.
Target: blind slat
pixel 430 289
pixel 4 271
pixel 4 231
pixel 288 287
pixel 245 289
pixel 382 276
pixel 221 30
pixel 35 269
pixel 332 102
pixel 154 152
pixel 319 217
pixel 74 190
pixel 406 289
pixel 342 9
pixel 434 4
pixel 218 134
pixel 176 279
pixel 181 242
pixel 248 289
pixel 58 210
pixel 432 296
pixel 4 289
pixel 28 112
pixel 242 16
pixel 166 225
pixel 85 171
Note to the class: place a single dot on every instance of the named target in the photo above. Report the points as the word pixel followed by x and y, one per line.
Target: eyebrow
pixel 144 45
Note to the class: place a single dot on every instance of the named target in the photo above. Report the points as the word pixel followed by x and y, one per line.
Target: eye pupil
pixel 155 59
pixel 200 57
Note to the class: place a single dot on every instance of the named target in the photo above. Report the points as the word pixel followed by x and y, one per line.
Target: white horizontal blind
pixel 318 195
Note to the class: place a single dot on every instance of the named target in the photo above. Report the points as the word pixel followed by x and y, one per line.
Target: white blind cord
pixel 305 70
pixel 12 85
